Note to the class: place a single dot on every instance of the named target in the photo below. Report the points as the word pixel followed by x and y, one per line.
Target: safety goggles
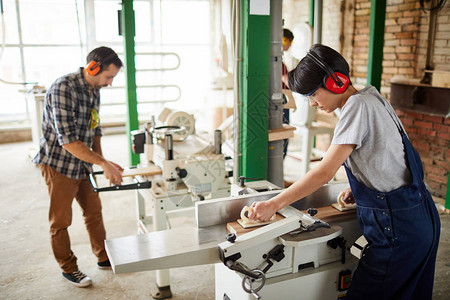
pixel 313 91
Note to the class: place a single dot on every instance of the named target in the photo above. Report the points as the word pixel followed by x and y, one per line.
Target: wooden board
pixel 236 228
pixel 284 132
pixel 146 171
pixel 330 214
pixel 327 214
pixel 338 207
pixel 290 99
pixel 253 224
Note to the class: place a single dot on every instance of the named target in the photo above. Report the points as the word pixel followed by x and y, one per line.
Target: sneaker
pixel 78 279
pixel 104 264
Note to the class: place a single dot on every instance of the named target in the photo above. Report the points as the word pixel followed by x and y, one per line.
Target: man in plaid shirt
pixel 70 145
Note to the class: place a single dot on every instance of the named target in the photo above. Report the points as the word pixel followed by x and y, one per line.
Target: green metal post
pixel 376 42
pixel 311 12
pixel 311 23
pixel 130 74
pixel 447 197
pixel 254 116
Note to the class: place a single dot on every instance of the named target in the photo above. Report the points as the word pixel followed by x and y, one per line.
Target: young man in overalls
pixel 396 212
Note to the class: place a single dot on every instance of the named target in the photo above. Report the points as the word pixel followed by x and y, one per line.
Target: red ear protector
pixel 334 82
pixel 95 67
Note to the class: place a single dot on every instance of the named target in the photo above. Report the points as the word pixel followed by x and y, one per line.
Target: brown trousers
pixel 62 190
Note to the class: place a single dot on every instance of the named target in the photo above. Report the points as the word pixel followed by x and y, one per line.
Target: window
pixel 42 51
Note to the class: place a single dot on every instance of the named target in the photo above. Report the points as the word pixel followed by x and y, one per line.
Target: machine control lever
pixel 255 294
pixel 239 267
pixel 276 254
pixel 317 224
pixel 254 285
pixel 231 237
pixel 181 172
pixel 312 211
pixel 311 227
pixel 338 242
pixel 242 180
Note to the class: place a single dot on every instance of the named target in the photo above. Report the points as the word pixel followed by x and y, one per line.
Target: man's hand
pixel 117 166
pixel 113 172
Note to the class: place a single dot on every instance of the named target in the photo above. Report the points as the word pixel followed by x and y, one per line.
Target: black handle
pixel 242 180
pixel 131 186
pixel 239 268
pixel 312 211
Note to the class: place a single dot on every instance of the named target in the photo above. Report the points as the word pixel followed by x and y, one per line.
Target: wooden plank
pixel 330 214
pixel 345 208
pixel 145 171
pixel 327 214
pixel 236 228
pixel 290 100
pixel 281 133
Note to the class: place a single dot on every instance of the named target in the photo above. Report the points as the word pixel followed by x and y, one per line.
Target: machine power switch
pixel 345 279
pixel 138 141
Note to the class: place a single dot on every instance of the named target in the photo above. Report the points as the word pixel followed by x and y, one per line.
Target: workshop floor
pixel 29 271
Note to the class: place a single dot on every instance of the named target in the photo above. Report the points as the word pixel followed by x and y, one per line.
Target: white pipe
pixel 236 59
pixel 275 151
pixel 318 9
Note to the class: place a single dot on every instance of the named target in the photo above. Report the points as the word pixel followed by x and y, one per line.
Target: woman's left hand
pixel 348 196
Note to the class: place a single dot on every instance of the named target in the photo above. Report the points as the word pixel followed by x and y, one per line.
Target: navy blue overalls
pixel 402 228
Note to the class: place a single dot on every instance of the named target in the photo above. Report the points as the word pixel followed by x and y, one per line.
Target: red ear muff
pixel 334 82
pixel 331 84
pixel 93 68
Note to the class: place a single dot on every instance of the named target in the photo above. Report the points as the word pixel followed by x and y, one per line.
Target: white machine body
pixel 293 258
pixel 205 176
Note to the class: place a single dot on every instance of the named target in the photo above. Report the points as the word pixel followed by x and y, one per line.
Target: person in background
pixel 288 37
pixel 70 145
pixel 396 212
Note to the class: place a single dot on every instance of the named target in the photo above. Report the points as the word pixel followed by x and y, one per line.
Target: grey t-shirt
pixel 378 160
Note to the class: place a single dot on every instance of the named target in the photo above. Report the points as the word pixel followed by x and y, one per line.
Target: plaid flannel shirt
pixel 67 118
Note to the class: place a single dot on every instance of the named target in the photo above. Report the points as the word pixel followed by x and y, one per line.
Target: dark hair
pixel 307 76
pixel 288 34
pixel 104 56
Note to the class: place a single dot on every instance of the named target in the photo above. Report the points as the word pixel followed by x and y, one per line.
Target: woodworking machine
pixel 192 169
pixel 304 255
pixel 178 168
pixel 190 164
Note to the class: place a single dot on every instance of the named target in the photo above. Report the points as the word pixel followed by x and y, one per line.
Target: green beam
pixel 376 42
pixel 254 114
pixel 311 12
pixel 128 31
pixel 447 196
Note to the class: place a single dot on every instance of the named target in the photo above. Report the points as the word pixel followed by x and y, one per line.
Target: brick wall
pixel 441 57
pixel 405 50
pixel 404 55
pixel 430 136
